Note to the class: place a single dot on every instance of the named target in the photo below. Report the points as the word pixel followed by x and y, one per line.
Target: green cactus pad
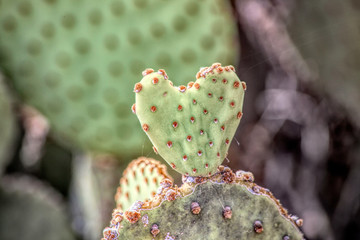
pixel 77 61
pixel 191 127
pixel 140 181
pixel 225 206
pixel 31 210
pixel 7 126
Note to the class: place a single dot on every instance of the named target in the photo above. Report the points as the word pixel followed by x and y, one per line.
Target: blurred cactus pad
pixel 223 206
pixel 191 127
pixel 30 210
pixel 77 61
pixel 7 126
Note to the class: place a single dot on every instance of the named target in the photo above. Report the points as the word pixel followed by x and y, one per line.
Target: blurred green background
pixel 66 130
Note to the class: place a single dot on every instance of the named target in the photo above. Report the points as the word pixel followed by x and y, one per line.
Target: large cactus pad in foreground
pixel 224 206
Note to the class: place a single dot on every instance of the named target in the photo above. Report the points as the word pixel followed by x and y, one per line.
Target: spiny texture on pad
pixel 140 181
pixel 225 206
pixel 77 61
pixel 7 126
pixel 191 127
pixel 31 210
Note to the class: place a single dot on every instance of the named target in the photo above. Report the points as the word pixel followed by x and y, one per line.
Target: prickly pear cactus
pixel 30 210
pixel 199 120
pixel 223 206
pixel 140 181
pixel 191 127
pixel 7 126
pixel 77 61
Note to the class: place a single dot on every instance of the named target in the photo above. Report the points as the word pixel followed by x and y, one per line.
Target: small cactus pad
pixel 191 127
pixel 77 61
pixel 140 181
pixel 224 206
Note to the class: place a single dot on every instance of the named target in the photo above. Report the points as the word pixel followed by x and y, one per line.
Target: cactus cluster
pixel 226 205
pixel 140 180
pixel 76 61
pixel 191 126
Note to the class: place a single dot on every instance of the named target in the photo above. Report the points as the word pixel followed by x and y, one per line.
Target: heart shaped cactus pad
pixel 191 127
